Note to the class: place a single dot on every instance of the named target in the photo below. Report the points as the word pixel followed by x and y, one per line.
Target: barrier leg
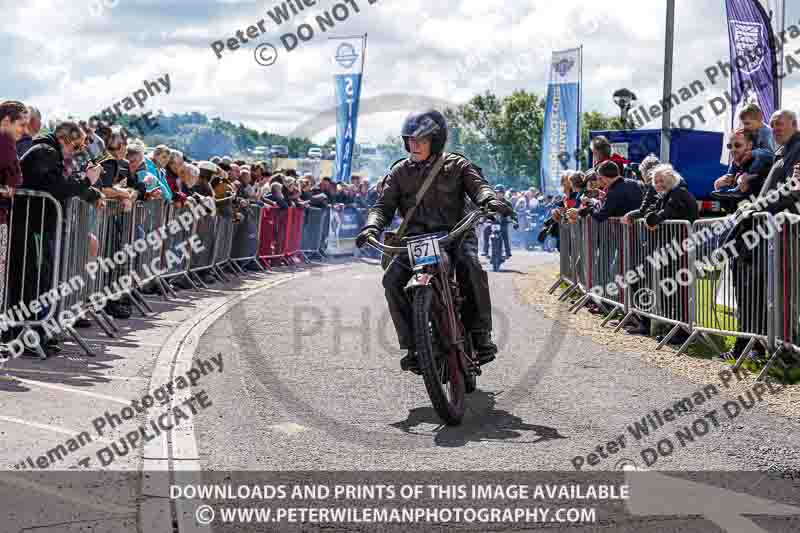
pixel 198 279
pixel 624 321
pixel 743 356
pixel 100 321
pixel 109 320
pixel 689 341
pixel 769 363
pixel 608 318
pixel 579 304
pixel 141 304
pixel 668 337
pixel 218 273
pixel 80 341
pixel 38 348
pixel 555 286
pixel 567 293
pixel 166 288
pixel 190 280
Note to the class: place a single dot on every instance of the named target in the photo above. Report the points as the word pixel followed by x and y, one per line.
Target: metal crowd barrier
pixel 43 280
pixel 246 238
pixel 203 261
pixel 272 243
pixel 661 287
pixel 315 226
pixel 33 249
pixel 566 273
pixel 603 260
pixel 787 284
pixel 294 235
pixel 704 278
pixel 181 270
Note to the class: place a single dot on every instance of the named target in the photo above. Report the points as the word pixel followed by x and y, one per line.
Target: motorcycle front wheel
pixel 441 372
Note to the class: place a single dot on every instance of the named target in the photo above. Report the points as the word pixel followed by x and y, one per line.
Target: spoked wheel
pixel 442 374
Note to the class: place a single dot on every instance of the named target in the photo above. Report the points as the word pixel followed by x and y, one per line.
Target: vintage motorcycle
pixel 447 360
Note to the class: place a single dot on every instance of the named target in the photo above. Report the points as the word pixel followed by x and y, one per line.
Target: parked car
pixel 279 151
pixel 315 152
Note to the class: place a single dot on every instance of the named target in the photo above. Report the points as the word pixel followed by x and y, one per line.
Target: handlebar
pixel 466 224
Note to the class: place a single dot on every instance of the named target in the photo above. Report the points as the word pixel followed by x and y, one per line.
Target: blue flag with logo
pixel 754 68
pixel 348 60
pixel 561 133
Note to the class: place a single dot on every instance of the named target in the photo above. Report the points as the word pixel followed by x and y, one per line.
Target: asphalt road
pixel 313 382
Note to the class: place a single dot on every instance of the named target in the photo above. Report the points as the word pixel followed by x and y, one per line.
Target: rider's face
pixel 420 148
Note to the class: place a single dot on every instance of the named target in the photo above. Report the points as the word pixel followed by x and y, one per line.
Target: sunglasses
pixel 735 145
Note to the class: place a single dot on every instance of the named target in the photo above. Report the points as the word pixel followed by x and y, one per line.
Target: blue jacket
pixel 623 196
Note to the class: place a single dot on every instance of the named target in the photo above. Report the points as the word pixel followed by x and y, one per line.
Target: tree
pixel 502 136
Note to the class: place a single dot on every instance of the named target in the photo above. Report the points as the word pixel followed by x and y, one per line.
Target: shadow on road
pixel 482 422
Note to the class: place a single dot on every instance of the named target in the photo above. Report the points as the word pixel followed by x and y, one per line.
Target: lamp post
pixel 624 98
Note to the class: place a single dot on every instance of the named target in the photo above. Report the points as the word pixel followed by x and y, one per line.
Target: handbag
pixel 395 238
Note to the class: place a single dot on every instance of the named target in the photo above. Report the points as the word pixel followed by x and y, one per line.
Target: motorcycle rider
pixel 500 191
pixel 441 208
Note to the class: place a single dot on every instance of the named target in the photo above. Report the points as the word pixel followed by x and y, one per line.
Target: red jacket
pixel 10 171
pixel 616 158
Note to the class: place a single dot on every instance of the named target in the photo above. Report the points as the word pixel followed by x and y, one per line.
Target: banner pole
pixel 666 100
pixel 578 165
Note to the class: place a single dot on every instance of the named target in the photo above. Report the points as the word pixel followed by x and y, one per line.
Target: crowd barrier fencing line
pixel 272 246
pixel 253 214
pixel 28 258
pixel 83 228
pixel 46 246
pixel 182 270
pixel 653 296
pixel 567 261
pixel 751 294
pixel 315 224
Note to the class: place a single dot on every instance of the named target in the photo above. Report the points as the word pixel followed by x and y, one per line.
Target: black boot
pixel 484 347
pixel 409 362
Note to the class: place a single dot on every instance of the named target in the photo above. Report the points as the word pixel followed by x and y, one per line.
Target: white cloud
pixel 62 58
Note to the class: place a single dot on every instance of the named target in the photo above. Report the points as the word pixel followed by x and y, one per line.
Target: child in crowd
pixel 752 119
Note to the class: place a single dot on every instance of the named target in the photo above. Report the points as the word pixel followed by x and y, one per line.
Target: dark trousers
pixel 750 289
pixel 477 309
pixel 487 232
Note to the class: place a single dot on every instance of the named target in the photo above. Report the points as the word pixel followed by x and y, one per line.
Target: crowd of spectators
pixel 99 162
pixel 763 157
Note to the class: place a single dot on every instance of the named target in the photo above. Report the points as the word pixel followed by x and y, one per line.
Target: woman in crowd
pixel 649 195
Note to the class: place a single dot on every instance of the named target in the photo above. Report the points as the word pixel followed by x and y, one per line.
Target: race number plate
pixel 424 251
pixel 495 227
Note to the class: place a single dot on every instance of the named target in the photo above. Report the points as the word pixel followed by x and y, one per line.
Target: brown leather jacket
pixel 443 205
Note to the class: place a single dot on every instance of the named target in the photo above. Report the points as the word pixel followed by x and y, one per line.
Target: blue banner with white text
pixel 562 120
pixel 348 59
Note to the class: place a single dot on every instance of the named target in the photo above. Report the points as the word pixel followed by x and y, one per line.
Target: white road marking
pixel 71 390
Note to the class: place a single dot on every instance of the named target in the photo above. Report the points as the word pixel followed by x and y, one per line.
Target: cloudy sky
pixel 81 56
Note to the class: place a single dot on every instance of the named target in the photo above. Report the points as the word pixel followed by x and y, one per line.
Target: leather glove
pixel 365 234
pixel 500 207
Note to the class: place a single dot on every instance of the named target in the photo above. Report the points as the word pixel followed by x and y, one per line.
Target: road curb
pixel 176 452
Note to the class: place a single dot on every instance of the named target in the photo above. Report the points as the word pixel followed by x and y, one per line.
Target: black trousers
pixel 477 308
pixel 487 231
pixel 750 289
